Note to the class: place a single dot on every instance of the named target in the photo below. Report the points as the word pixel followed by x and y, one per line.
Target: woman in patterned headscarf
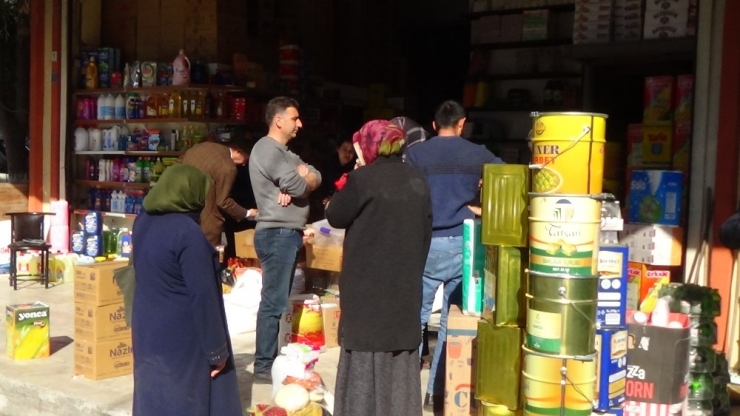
pixel 385 208
pixel 415 134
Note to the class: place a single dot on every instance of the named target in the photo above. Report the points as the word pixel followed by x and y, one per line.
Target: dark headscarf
pixel 181 188
pixel 414 132
pixel 379 138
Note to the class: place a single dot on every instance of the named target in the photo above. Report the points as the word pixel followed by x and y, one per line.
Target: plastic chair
pixel 27 233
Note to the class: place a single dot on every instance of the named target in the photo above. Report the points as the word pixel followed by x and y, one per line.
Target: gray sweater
pixel 272 169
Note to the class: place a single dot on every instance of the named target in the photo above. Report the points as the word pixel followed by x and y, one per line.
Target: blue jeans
pixel 277 249
pixel 443 267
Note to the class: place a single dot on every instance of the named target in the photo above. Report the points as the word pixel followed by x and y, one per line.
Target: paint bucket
pixel 568 152
pixel 555 386
pixel 564 234
pixel 490 409
pixel 561 314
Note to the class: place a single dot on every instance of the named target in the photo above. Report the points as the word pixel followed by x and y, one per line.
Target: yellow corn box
pixel 27 331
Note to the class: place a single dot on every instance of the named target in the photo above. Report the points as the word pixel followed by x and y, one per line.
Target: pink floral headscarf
pixel 379 138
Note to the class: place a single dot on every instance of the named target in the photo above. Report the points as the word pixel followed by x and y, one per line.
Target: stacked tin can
pixel 559 370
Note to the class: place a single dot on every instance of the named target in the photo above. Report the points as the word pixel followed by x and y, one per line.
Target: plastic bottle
pixel 116 171
pixel 98 204
pixel 129 203
pixel 91 74
pixel 181 69
pixel 661 312
pixel 163 102
pixel 119 107
pixel 102 109
pixel 107 200
pixel 110 104
pixel 139 173
pixel 154 140
pixel 173 140
pixel 91 196
pixel 146 170
pixel 101 171
pixel 185 97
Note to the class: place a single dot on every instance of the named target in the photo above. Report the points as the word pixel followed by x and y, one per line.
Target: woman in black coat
pixel 386 209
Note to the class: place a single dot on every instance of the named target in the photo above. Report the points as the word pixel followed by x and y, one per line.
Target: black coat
pixel 387 212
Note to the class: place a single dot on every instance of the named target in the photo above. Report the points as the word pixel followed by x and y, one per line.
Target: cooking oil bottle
pixel 91 74
pixel 175 105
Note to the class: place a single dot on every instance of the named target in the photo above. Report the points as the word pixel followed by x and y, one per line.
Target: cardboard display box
pixel 330 313
pixel 611 305
pixel 324 257
pixel 94 283
pixel 658 364
pixel 462 331
pixel 642 279
pixel 100 323
pixel 611 368
pixel 98 361
pixel 244 244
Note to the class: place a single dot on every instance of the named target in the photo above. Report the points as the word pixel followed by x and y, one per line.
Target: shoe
pixel 262 377
pixel 433 403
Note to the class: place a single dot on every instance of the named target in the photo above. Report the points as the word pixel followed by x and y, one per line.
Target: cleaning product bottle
pixel 181 69
pixel 102 109
pixel 119 107
pixel 91 74
pixel 110 105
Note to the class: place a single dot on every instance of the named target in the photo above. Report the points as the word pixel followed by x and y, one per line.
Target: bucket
pixel 568 152
pixel 561 314
pixel 552 384
pixel 564 234
pixel 490 409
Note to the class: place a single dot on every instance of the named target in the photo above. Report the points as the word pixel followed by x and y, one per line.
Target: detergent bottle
pixel 181 69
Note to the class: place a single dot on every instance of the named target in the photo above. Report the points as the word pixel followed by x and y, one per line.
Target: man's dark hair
pixel 448 114
pixel 278 105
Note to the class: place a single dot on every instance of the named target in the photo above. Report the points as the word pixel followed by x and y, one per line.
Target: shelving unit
pixel 521 44
pixel 106 214
pixel 115 185
pixel 558 8
pixel 173 88
pixel 129 153
pixel 157 120
pixel 533 76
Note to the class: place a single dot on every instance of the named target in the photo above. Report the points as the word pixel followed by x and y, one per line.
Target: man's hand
pixel 476 210
pixel 302 170
pixel 215 369
pixel 252 213
pixel 284 199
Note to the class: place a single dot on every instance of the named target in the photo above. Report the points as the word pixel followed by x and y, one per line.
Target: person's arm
pixel 345 205
pixel 311 175
pixel 197 262
pixel 489 157
pixel 223 183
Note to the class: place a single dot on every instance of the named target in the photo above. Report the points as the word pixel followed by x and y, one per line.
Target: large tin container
pixel 504 205
pixel 505 285
pixel 568 152
pixel 564 234
pixel 561 314
pixel 557 386
pixel 499 365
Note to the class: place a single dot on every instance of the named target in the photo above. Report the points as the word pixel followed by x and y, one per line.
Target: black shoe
pixel 433 403
pixel 262 377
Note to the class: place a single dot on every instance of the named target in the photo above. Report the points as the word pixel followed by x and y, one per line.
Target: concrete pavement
pixel 47 387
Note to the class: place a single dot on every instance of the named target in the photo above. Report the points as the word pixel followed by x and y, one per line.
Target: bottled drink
pixel 701 386
pixel 703 332
pixel 699 408
pixel 91 74
pixel 702 360
pixel 175 107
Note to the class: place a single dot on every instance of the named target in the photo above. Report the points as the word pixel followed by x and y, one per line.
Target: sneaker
pixel 433 403
pixel 263 377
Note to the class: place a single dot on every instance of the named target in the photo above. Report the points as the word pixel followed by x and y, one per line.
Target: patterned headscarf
pixel 379 138
pixel 414 132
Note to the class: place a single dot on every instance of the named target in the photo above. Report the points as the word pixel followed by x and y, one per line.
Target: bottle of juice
pixel 91 74
pixel 164 105
pixel 185 104
pixel 152 105
pixel 175 106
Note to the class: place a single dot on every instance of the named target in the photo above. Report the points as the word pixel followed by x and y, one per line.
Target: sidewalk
pixel 47 387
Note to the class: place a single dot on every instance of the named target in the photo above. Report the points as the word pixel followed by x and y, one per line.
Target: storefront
pixel 715 151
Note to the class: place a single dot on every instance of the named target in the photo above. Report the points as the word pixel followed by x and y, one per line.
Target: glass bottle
pixel 186 104
pixel 164 105
pixel 152 105
pixel 91 74
pixel 175 105
pixel 200 103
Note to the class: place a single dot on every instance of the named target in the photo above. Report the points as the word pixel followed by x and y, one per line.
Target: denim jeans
pixel 277 249
pixel 443 267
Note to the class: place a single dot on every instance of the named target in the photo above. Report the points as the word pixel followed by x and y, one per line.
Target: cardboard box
pixel 462 332
pixel 658 361
pixel 664 31
pixel 683 99
pixel 474 264
pixel 682 147
pixel 669 17
pixel 330 313
pixel 244 244
pixel 657 144
pixel 611 367
pixel 100 323
pixel 651 5
pixel 94 283
pixel 611 305
pixel 302 322
pixel 634 146
pixel 655 197
pixel 98 361
pixel 324 257
pixel 27 331
pixel 658 98
pixel 664 244
pixel 642 279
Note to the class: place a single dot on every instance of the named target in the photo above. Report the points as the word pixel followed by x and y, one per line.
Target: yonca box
pixel 27 331
pixel 611 367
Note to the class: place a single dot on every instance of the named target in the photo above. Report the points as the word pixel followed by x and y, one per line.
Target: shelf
pixel 105 214
pixel 117 185
pixel 522 44
pixel 534 107
pixel 169 88
pixel 635 51
pixel 535 75
pixel 128 153
pixel 158 120
pixel 558 8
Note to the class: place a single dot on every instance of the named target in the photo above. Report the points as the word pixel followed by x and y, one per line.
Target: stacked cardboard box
pixel 102 347
pixel 627 20
pixel 666 18
pixel 593 21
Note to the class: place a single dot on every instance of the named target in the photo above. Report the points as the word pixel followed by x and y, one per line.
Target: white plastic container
pixel 326 235
pixel 119 108
pixel 96 141
pixel 101 108
pixel 109 107
pixel 82 139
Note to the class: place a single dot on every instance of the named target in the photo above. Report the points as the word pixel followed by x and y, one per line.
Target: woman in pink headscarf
pixel 385 207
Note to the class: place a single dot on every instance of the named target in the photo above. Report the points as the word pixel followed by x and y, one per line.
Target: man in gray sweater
pixel 281 182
